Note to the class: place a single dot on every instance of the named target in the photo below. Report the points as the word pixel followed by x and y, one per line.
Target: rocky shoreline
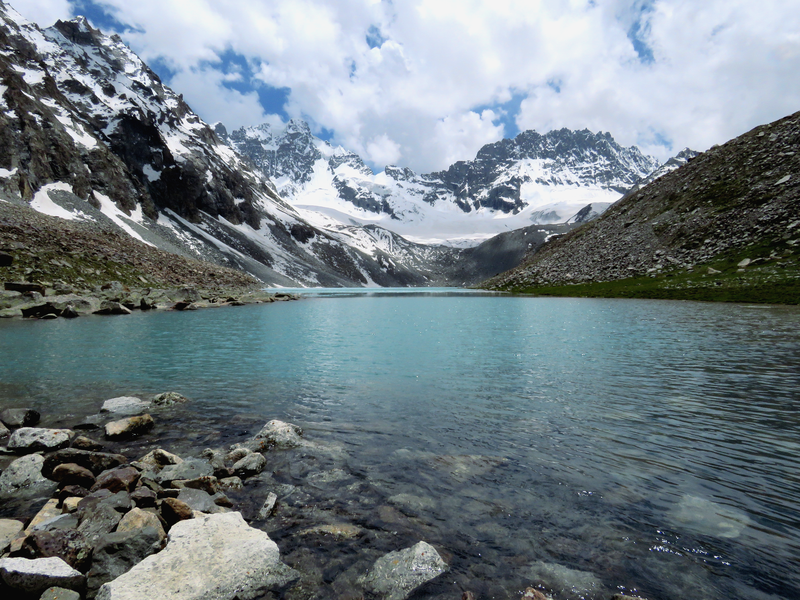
pixel 95 507
pixel 34 300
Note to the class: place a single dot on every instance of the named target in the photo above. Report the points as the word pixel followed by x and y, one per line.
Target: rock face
pixel 215 557
pixel 33 576
pixel 396 575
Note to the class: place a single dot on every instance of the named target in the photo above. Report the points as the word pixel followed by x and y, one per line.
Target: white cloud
pixel 718 67
pixel 43 12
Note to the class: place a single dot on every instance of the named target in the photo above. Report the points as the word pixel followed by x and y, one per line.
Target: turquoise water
pixel 654 445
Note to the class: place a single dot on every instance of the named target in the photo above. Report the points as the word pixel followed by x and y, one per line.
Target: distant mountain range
pixel 89 133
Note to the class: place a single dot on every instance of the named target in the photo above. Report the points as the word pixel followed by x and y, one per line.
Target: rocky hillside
pixel 513 183
pixel 727 220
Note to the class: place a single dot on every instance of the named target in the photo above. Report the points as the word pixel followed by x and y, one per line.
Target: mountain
pixel 513 183
pixel 88 132
pixel 724 225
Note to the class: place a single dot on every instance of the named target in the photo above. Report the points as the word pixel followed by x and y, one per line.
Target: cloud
pixel 43 12
pixel 427 82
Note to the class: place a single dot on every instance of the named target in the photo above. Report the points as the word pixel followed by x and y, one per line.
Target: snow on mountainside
pixel 88 131
pixel 532 179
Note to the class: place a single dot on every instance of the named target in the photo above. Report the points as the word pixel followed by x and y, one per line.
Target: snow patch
pixel 151 173
pixel 5 173
pixel 109 209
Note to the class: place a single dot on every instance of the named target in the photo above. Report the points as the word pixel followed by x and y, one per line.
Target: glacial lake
pixel 593 446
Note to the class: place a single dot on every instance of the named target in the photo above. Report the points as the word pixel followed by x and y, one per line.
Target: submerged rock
pixel 569 583
pixel 396 575
pixel 169 399
pixel 214 557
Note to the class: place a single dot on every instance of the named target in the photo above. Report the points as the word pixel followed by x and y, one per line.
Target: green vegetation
pixel 773 277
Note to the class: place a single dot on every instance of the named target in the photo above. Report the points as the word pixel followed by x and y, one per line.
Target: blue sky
pixel 423 83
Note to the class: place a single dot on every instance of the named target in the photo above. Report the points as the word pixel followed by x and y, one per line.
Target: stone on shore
pixel 116 480
pixel 19 417
pixel 396 575
pixel 33 576
pixel 198 500
pixel 109 307
pixel 268 507
pixel 191 468
pixel 4 431
pixel 130 427
pixel 23 477
pixel 84 443
pixel 159 458
pixel 250 465
pixel 174 511
pixel 136 518
pixel 125 405
pixel 59 593
pixel 73 474
pixel 282 435
pixel 10 529
pixel 116 553
pixel 65 543
pixel 213 557
pixel 33 439
pixel 96 462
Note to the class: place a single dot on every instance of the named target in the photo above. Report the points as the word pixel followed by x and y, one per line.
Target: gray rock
pixel 268 507
pixel 33 576
pixel 4 431
pixel 109 307
pixel 191 468
pixel 279 434
pixel 100 513
pixel 125 405
pixel 59 593
pixel 24 477
pixel 96 462
pixel 19 417
pixel 213 557
pixel 396 575
pixel 116 553
pixel 169 399
pixel 130 427
pixel 252 464
pixel 569 583
pixel 137 518
pixel 10 529
pixel 61 540
pixel 33 439
pixel 198 500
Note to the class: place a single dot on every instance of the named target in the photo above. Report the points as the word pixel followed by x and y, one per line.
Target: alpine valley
pixel 90 136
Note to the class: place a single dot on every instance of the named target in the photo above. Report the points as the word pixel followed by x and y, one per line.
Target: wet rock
pixel 237 454
pixel 116 553
pixel 221 499
pixel 191 468
pixel 125 405
pixel 116 480
pixel 411 504
pixel 23 477
pixel 33 439
pixel 109 307
pixel 96 462
pixel 231 483
pixel 33 576
pixel 10 529
pixel 396 575
pixel 70 313
pixel 84 443
pixel 136 518
pixel 169 399
pixel 198 500
pixel 69 474
pixel 250 465
pixel 159 458
pixel 67 544
pixel 570 583
pixel 19 417
pixel 217 460
pixel 534 594
pixel 214 557
pixel 340 531
pixel 268 507
pixel 174 510
pixel 279 434
pixel 59 593
pixel 130 427
pixel 207 483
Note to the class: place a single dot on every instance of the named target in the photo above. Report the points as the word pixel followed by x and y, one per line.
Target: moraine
pixel 590 446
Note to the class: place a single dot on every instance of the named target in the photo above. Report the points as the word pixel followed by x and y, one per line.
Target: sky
pixel 424 83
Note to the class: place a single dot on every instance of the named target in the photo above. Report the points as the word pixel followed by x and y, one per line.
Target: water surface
pixel 598 445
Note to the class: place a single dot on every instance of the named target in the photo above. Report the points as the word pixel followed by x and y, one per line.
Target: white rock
pixel 37 438
pixel 25 475
pixel 281 434
pixel 33 576
pixel 396 575
pixel 211 557
pixel 125 405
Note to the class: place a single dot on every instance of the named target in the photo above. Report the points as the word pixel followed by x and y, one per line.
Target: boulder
pixel 169 399
pixel 10 529
pixel 19 417
pixel 396 575
pixel 73 474
pixel 159 458
pixel 116 553
pixel 144 497
pixel 116 480
pixel 174 510
pixel 130 427
pixel 278 434
pixel 100 513
pixel 33 576
pixel 198 500
pixel 231 483
pixel 69 313
pixel 24 477
pixel 110 307
pixel 67 544
pixel 33 439
pixel 250 465
pixel 191 468
pixel 84 443
pixel 25 287
pixel 136 518
pixel 213 557
pixel 125 405
pixel 59 593
pixel 96 462
pixel 207 483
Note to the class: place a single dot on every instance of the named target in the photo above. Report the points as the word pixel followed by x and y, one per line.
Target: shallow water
pixel 591 446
